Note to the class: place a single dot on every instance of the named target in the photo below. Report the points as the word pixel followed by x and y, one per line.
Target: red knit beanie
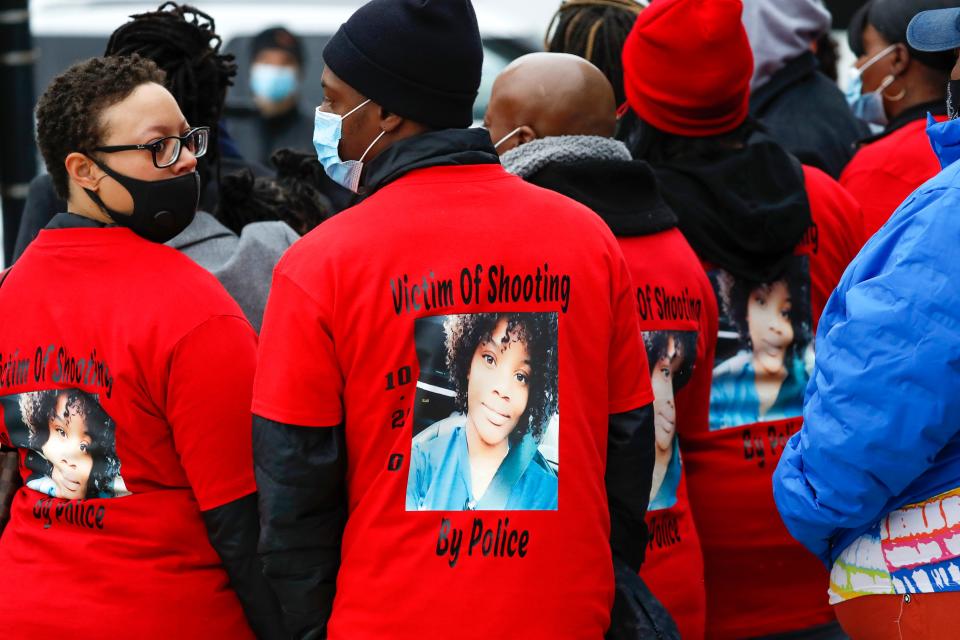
pixel 687 66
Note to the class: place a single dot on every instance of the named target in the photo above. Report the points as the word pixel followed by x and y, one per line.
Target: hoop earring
pixel 899 96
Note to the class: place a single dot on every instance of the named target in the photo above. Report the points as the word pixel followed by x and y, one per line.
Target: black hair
pixel 68 112
pixel 538 331
pixel 858 22
pixel 735 295
pixel 685 344
pixel 182 40
pixel 828 56
pixel 890 18
pixel 595 30
pixel 293 196
pixel 38 409
pixel 657 146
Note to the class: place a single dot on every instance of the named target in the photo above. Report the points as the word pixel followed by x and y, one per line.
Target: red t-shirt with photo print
pixel 386 318
pixel 125 380
pixel 759 579
pixel 678 318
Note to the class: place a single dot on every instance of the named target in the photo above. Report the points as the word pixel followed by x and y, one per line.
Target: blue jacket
pixel 882 409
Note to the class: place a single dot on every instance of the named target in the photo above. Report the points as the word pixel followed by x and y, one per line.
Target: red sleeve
pixel 837 238
pixel 298 380
pixel 628 373
pixel 208 408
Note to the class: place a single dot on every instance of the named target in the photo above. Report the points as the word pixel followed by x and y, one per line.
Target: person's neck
pixel 479 450
pixel 271 110
pixel 85 207
pixel 766 374
pixel 916 94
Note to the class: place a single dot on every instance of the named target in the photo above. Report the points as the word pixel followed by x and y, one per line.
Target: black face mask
pixel 161 208
pixel 953 99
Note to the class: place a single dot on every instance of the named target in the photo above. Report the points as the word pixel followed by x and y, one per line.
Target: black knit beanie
pixel 420 59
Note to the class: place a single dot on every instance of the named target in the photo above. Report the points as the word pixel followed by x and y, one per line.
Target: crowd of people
pixel 675 253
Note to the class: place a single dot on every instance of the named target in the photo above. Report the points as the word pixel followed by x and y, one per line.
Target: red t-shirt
pixel 678 318
pixel 399 317
pixel 125 377
pixel 884 173
pixel 759 579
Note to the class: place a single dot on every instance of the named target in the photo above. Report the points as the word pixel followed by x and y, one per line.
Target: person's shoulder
pixel 436 448
pixel 734 367
pixel 513 195
pixel 920 220
pixel 818 181
pixel 541 468
pixel 905 150
pixel 827 197
pixel 303 256
pixel 666 251
pixel 809 90
pixel 538 486
pixel 269 237
pixel 180 283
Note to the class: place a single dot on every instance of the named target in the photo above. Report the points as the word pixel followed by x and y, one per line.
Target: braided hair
pixel 293 196
pixel 182 41
pixel 595 30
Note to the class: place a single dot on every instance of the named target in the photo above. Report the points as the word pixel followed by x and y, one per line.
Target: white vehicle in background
pixel 66 31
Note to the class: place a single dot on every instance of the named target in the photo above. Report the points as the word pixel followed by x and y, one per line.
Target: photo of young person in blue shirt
pixel 765 378
pixel 503 370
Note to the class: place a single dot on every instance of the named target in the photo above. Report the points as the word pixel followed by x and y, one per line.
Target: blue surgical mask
pixel 327 130
pixel 868 106
pixel 272 82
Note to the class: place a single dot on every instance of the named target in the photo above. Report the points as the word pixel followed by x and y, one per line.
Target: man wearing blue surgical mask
pixel 443 247
pixel 276 70
pixel 280 121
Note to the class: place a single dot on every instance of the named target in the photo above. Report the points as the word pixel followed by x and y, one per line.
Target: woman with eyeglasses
pixel 98 309
pixel 241 253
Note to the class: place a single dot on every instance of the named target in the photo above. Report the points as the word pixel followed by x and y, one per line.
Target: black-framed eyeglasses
pixel 166 151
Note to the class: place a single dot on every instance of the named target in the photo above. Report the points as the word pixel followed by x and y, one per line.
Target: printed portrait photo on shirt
pixel 486 415
pixel 764 348
pixel 671 356
pixel 70 443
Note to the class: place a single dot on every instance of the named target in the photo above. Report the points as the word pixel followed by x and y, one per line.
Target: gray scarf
pixel 527 159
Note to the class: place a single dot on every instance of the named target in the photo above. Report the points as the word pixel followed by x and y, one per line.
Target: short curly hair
pixel 68 112
pixel 538 331
pixel 735 294
pixel 685 343
pixel 38 408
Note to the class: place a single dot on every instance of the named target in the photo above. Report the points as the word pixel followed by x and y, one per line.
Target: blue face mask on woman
pixel 327 131
pixel 272 82
pixel 868 106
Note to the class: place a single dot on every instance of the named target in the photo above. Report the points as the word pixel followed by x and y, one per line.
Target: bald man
pixel 549 94
pixel 552 117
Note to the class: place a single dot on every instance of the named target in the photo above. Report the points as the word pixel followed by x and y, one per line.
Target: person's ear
pixel 83 171
pixel 901 60
pixel 526 134
pixel 390 122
